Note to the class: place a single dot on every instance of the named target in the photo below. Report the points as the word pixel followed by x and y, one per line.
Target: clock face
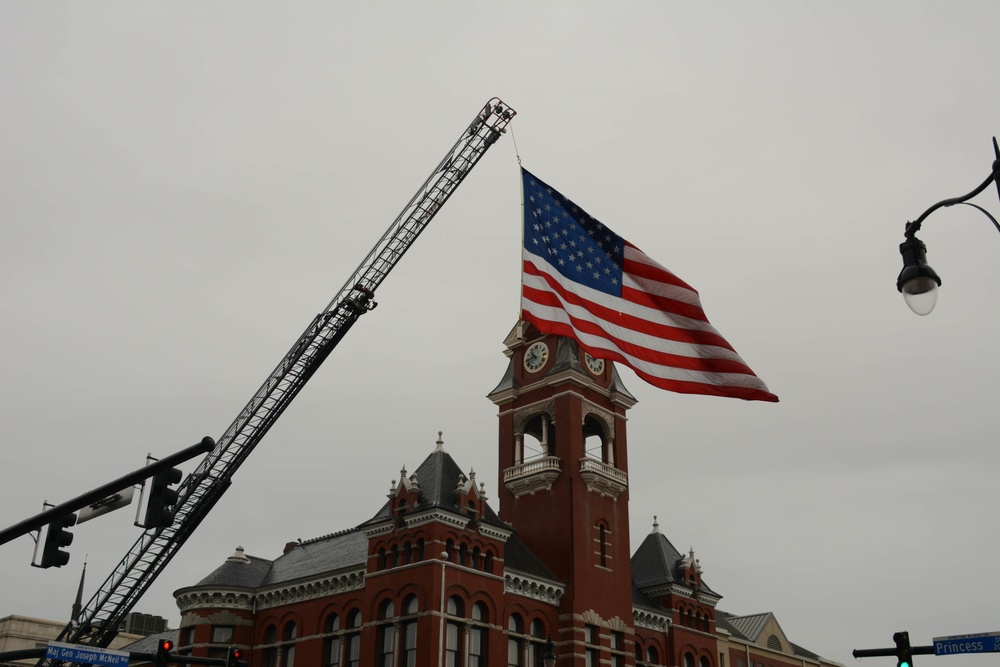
pixel 596 366
pixel 535 357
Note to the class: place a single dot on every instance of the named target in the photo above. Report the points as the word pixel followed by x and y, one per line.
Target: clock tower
pixel 563 465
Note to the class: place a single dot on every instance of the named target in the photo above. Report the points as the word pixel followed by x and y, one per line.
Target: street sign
pixel 113 502
pixel 89 655
pixel 983 642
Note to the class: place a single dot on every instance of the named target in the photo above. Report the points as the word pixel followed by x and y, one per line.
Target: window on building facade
pixel 288 644
pixel 536 644
pixel 222 634
pixel 269 656
pixel 478 635
pixel 617 648
pixel 688 660
pixel 703 662
pixel 773 642
pixel 331 643
pixel 652 656
pixel 722 659
pixel 453 633
pixel 592 654
pixel 515 643
pixel 408 628
pixel 386 635
pixel 352 639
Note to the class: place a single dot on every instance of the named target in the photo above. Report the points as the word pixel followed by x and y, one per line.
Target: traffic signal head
pixel 904 654
pixel 57 537
pixel 162 498
pixel 235 658
pixel 163 649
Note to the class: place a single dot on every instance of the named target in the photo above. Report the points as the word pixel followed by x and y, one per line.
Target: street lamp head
pixel 917 281
pixel 549 657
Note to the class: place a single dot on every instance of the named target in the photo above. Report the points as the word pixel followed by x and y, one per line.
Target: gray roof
pixel 657 563
pixel 150 643
pixel 239 571
pixel 639 599
pixel 750 626
pixel 438 476
pixel 722 622
pixel 346 549
pixel 517 556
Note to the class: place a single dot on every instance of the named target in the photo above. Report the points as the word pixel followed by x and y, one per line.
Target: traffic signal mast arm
pixel 99 620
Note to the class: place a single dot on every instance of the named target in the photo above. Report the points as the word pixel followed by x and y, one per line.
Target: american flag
pixel 583 281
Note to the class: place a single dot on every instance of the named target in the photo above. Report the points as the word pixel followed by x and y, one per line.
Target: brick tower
pixel 563 462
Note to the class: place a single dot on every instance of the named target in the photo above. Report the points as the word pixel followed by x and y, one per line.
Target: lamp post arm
pixel 913 227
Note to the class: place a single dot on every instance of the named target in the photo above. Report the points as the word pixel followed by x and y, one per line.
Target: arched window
pixel 288 644
pixel 386 635
pixel 331 643
pixel 407 553
pixel 409 631
pixel 453 632
pixel 420 549
pixel 773 642
pixel 352 639
pixel 478 633
pixel 602 538
pixel 515 643
pixel 488 563
pixel 463 554
pixel 652 656
pixel 381 559
pixel 688 660
pixel 477 558
pixel 536 645
pixel 270 652
pixel 449 548
pixel 703 662
pixel 395 556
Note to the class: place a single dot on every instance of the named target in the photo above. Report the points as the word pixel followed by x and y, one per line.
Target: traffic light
pixel 57 537
pixel 163 649
pixel 162 498
pixel 235 658
pixel 904 654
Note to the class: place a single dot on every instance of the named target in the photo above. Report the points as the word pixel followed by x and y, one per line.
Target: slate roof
pixel 438 476
pixel 657 563
pixel 239 571
pixel 517 556
pixel 330 553
pixel 149 643
pixel 639 599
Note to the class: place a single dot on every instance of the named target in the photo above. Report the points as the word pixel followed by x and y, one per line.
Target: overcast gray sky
pixel 183 186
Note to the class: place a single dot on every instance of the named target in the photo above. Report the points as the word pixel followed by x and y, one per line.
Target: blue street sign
pixel 984 642
pixel 88 655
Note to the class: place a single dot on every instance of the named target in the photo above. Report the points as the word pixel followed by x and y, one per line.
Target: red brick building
pixel 438 578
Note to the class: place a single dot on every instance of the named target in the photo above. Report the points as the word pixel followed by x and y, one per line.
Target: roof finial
pixel 440 442
pixel 656 525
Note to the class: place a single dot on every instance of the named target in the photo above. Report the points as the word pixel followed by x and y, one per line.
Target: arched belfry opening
pixel 598 442
pixel 537 440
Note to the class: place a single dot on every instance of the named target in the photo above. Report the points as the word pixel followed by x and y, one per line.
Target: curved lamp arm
pixel 917 281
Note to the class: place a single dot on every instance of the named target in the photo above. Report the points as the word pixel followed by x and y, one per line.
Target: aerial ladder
pixel 198 493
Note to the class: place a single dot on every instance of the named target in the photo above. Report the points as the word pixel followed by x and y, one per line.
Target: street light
pixel 917 281
pixel 549 657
